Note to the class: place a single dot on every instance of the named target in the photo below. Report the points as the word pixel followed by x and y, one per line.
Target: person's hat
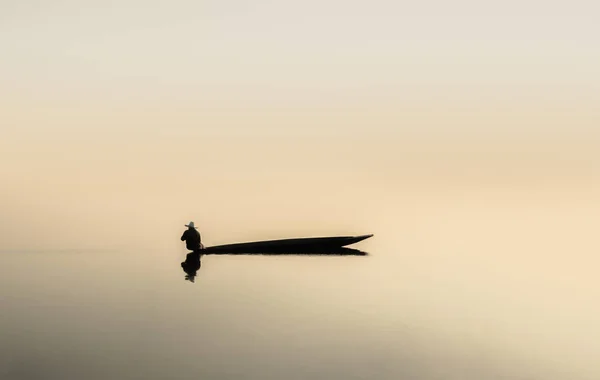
pixel 191 225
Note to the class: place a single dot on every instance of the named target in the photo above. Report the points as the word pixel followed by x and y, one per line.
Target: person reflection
pixel 191 265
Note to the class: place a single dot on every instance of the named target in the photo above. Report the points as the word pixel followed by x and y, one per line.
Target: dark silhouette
pixel 192 238
pixel 191 265
pixel 315 246
pixel 311 244
pixel 277 251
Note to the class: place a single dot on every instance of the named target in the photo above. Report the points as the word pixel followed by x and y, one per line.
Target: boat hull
pixel 299 245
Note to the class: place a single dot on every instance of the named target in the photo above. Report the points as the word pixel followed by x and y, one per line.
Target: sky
pixel 128 99
pixel 130 96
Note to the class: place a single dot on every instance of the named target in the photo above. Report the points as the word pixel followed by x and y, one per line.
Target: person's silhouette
pixel 192 238
pixel 191 265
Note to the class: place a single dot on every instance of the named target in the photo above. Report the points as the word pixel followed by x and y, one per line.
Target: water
pixel 468 285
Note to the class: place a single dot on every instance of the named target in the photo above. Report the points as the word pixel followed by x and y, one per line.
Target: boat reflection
pixel 192 263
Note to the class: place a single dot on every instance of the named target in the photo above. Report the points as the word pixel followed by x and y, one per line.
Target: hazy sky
pixel 129 98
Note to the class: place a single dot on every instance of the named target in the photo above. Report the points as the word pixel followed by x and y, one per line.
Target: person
pixel 192 238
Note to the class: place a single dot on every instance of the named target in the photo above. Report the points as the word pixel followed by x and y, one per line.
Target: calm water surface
pixel 451 289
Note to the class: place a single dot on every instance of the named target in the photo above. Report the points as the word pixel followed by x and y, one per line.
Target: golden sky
pixel 129 98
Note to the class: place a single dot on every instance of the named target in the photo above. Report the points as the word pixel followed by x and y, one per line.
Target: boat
pixel 343 251
pixel 296 245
